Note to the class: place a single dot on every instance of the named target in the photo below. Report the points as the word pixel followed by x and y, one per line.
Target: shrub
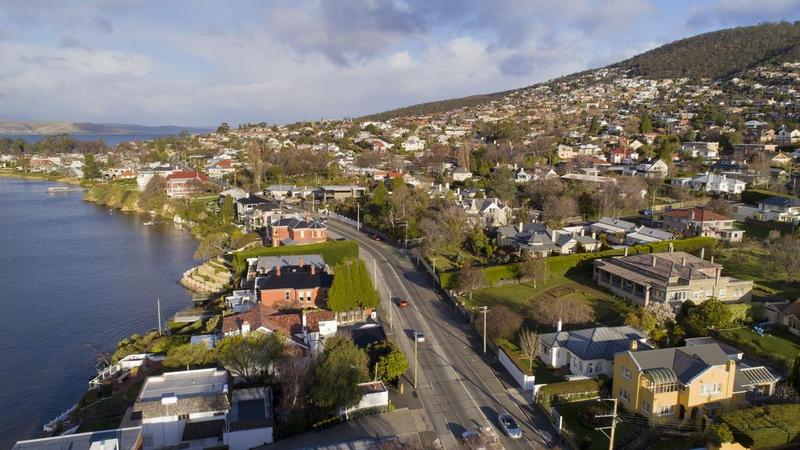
pixel 333 252
pixel 767 426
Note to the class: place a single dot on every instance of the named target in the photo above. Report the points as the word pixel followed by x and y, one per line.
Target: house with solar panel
pixel 690 383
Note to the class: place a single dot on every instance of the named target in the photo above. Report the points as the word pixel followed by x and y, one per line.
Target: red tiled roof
pixel 700 214
pixel 286 323
pixel 313 318
pixel 225 164
pixel 186 174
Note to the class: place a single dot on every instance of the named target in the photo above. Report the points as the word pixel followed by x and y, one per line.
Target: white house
pixel 565 152
pixel 461 174
pixel 490 212
pixel 588 352
pixel 705 150
pixel 712 182
pixel 197 409
pixel 413 144
pixel 786 137
pixel 376 396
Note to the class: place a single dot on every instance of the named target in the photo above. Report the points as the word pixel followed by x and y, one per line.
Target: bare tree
pixel 556 209
pixel 469 279
pixel 568 309
pixel 295 377
pixel 529 342
pixel 502 322
pixel 256 150
pixel 534 268
pixel 782 254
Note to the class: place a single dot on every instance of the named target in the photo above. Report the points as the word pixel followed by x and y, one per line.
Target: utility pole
pixel 613 425
pixel 484 309
pixel 416 361
pixel 358 216
pixel 158 307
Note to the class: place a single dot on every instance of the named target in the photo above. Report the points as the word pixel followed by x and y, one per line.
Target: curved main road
pixel 457 388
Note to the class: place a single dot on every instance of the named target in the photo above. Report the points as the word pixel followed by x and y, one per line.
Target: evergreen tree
pixel 227 211
pixel 594 127
pixel 90 168
pixel 645 124
pixel 794 377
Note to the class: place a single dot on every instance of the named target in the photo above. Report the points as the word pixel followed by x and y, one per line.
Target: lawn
pixel 748 263
pixel 543 374
pixel 625 432
pixel 608 310
pixel 780 347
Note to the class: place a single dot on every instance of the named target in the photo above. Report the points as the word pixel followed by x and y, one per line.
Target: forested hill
pixel 720 54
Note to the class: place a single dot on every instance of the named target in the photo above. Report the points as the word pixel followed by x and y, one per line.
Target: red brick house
pixel 699 221
pixel 296 231
pixel 303 286
pixel 185 183
pixel 304 327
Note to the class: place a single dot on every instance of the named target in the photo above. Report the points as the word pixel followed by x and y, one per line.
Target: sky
pixel 199 63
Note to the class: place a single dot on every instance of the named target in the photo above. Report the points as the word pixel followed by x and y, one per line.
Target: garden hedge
pixel 333 252
pixel 766 426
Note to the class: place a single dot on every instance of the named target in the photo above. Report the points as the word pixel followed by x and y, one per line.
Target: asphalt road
pixel 457 386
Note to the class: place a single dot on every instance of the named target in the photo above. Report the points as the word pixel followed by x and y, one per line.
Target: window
pixel 722 293
pixel 626 373
pixel 286 295
pixel 645 406
pixel 546 350
pixel 598 368
pixel 711 388
pixel 183 417
pixel 623 394
pixel 666 410
pixel 589 368
pixel 696 296
pixel 709 294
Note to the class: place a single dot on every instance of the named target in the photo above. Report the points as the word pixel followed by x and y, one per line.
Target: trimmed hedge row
pixel 568 391
pixel 766 426
pixel 581 262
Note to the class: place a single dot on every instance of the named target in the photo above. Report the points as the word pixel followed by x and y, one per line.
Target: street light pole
pixel 613 426
pixel 484 309
pixel 416 361
pixel 358 216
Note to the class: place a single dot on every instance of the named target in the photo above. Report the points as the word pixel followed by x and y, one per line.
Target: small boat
pixel 148 223
pixel 58 189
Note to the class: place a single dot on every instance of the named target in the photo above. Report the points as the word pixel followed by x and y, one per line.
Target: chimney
pixel 558 325
pixel 683 261
pixel 730 366
pixel 313 269
pixel 594 235
pixel 654 259
pixel 671 247
pixel 703 253
pixel 303 320
pixel 712 259
pixel 581 231
pixel 447 186
pixel 277 271
pixel 300 262
pixel 245 328
pixel 634 345
pixel 692 215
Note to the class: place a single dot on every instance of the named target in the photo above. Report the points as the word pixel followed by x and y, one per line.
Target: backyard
pixel 519 297
pixel 747 262
pixel 777 346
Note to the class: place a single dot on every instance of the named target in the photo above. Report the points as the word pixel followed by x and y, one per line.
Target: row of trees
pixel 352 287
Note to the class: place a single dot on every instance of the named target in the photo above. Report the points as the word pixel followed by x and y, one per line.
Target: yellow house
pixel 685 383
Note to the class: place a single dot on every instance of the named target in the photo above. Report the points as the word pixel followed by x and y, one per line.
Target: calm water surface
pixel 73 273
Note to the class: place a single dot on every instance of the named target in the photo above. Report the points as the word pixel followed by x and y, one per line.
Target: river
pixel 73 273
pixel 110 139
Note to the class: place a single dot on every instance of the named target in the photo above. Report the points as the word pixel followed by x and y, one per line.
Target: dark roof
pixel 685 362
pixel 203 430
pixel 252 199
pixel 364 336
pixel 780 202
pixel 594 343
pixel 293 278
pixel 296 222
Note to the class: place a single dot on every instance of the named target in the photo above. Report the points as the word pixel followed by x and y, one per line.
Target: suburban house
pixel 185 183
pixel 533 238
pixel 339 193
pixel 685 383
pixel 488 212
pixel 704 150
pixel 743 152
pixel 786 137
pixel 296 286
pixel 712 182
pixel 780 159
pixel 781 209
pixel 588 352
pixel 647 235
pixel 287 192
pixel 296 231
pixel 305 328
pixel 128 438
pixel 614 230
pixel 648 168
pixel 199 409
pixel 256 213
pixel 699 221
pixel 672 277
pixel 567 242
pixel 217 170
pixel 521 176
pixel 376 397
pixel 246 204
pixel 784 313
pixel 461 174
pixel 144 176
pixel 413 144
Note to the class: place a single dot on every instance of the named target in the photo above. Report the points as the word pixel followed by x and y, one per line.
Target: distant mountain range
pixel 715 55
pixel 59 127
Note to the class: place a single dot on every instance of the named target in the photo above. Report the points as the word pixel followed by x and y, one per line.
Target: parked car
pixel 375 237
pixel 419 337
pixel 763 328
pixel 472 440
pixel 402 303
pixel 509 426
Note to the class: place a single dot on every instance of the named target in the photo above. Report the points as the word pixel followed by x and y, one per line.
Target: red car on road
pixel 402 303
